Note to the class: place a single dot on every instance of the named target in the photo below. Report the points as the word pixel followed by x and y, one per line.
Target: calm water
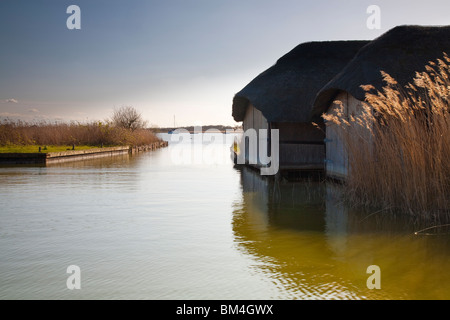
pixel 182 223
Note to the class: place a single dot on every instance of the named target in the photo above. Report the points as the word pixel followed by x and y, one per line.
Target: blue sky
pixel 168 57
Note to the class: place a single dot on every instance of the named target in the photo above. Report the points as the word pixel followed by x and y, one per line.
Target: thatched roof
pixel 286 91
pixel 400 52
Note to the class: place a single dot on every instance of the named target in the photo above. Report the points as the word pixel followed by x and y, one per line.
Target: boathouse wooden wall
pixel 254 119
pixel 301 146
pixel 337 156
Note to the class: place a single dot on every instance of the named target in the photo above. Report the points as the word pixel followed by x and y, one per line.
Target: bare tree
pixel 128 117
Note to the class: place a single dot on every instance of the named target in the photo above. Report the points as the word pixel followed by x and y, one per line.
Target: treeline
pixel 220 128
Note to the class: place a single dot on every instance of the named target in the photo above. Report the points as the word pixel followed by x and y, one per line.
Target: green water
pixel 153 227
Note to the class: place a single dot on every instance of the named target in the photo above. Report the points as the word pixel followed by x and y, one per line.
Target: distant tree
pixel 128 117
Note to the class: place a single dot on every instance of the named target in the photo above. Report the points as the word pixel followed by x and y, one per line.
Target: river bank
pixel 74 155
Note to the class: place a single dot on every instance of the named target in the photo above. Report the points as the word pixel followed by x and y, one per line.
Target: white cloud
pixel 11 101
pixel 33 110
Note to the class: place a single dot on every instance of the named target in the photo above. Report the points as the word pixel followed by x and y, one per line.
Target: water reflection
pixel 145 227
pixel 312 246
pixel 95 174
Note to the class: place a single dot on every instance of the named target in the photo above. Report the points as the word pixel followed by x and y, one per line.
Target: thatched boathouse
pixel 282 98
pixel 400 52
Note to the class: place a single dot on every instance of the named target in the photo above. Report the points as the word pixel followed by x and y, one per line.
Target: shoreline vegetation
pixel 20 136
pixel 399 146
pixel 125 128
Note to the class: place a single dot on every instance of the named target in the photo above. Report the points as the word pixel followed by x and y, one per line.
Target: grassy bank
pixel 44 149
pixel 19 135
pixel 399 146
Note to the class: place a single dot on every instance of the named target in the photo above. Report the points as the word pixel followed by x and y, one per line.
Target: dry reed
pixel 94 133
pixel 399 145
